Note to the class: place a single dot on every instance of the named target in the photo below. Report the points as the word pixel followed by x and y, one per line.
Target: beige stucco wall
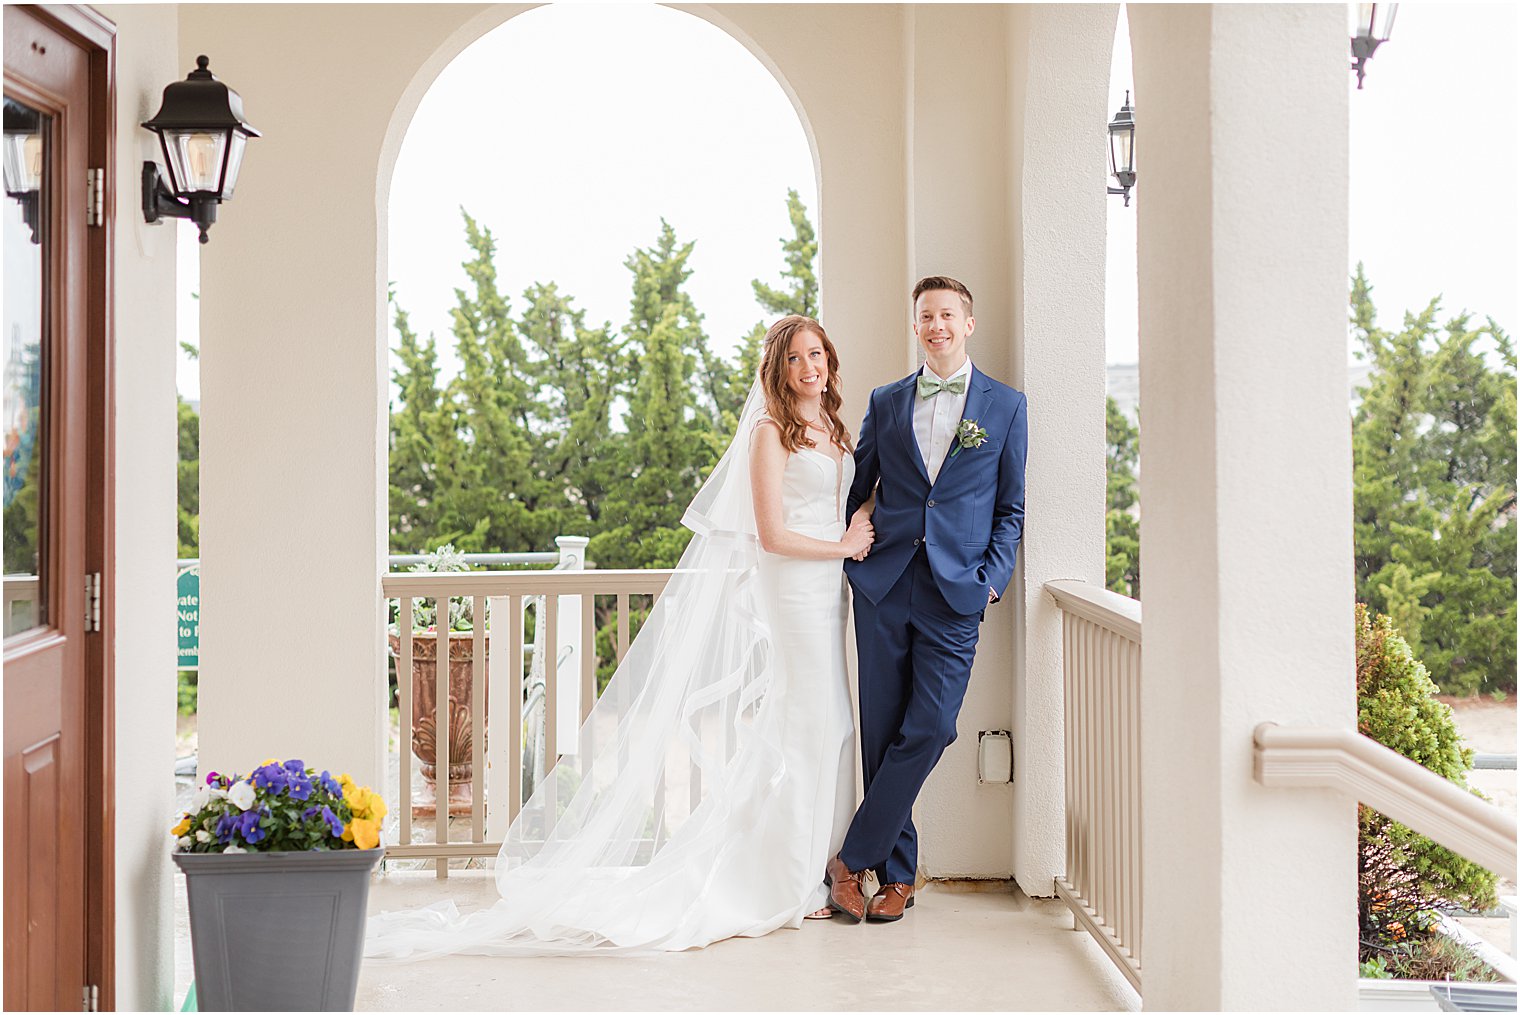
pixel 144 639
pixel 294 334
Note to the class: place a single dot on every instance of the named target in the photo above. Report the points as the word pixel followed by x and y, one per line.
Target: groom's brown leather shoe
pixel 845 895
pixel 890 903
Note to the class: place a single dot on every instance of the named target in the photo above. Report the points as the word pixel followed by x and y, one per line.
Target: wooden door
pixel 56 522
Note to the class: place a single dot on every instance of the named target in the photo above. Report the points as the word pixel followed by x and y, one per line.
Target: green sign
pixel 188 591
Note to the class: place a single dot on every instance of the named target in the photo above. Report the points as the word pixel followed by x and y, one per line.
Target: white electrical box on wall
pixel 994 757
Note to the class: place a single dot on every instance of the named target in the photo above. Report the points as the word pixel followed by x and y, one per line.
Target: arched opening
pixel 592 217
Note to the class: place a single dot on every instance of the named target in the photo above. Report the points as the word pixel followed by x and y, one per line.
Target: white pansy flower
pixel 201 835
pixel 206 795
pixel 184 842
pixel 234 849
pixel 241 795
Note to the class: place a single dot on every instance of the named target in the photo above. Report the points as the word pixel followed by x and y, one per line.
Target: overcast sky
pixel 1434 163
pixel 571 129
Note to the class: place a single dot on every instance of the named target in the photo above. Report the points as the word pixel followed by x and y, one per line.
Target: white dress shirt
pixel 935 419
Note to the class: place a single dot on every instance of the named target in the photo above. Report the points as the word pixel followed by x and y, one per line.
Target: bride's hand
pixel 858 537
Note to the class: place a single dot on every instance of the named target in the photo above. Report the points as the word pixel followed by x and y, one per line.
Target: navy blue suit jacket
pixel 970 519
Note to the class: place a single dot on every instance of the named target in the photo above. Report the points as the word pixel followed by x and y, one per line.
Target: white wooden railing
pixel 1101 671
pixel 500 601
pixel 1386 781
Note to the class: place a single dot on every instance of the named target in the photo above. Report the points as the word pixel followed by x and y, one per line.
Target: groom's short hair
pixel 934 282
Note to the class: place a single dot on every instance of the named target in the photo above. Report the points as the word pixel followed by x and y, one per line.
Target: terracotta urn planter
pixel 424 730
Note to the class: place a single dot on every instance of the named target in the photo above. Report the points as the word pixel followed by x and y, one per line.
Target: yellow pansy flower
pixel 366 833
pixel 182 827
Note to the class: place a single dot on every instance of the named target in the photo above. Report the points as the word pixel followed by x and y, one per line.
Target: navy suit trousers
pixel 915 655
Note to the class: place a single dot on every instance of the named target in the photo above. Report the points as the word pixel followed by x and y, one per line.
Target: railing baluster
pixel 1132 669
pixel 442 685
pixel 478 721
pixel 514 706
pixel 550 621
pixel 622 625
pixel 588 655
pixel 404 703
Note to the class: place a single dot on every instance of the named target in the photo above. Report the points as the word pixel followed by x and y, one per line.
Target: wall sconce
pixel 201 128
pixel 1374 23
pixel 1121 149
pixel 23 163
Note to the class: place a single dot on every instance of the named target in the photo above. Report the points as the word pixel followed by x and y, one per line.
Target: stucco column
pixel 1058 88
pixel 1246 492
pixel 958 196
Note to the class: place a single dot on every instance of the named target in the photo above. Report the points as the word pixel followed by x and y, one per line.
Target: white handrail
pixel 1108 610
pixel 1387 781
pixel 532 583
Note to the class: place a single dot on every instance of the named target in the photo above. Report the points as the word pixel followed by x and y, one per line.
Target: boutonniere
pixel 969 434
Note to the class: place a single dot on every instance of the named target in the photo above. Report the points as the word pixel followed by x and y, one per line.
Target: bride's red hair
pixel 780 402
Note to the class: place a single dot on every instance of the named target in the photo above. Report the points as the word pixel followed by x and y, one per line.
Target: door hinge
pixel 91 999
pixel 92 601
pixel 95 197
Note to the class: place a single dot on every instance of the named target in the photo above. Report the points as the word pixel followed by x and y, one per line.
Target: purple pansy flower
pixel 270 777
pixel 334 823
pixel 299 786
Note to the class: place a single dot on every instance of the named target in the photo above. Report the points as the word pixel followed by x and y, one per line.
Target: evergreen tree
pixel 659 273
pixel 189 480
pixel 799 291
pixel 1434 478
pixel 1123 515
pixel 424 446
pixel 798 294
pixel 579 373
pixel 499 500
pixel 672 437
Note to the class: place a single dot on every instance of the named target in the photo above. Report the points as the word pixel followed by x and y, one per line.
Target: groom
pixel 942 450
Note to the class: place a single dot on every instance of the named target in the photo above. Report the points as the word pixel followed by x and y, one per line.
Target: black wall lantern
pixel 1121 149
pixel 23 163
pixel 1374 23
pixel 201 128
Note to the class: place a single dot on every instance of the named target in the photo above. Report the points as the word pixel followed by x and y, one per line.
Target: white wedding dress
pixel 715 775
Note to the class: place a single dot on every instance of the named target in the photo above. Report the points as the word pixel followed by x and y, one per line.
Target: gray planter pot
pixel 277 931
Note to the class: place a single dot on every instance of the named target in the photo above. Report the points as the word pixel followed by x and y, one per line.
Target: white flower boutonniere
pixel 969 434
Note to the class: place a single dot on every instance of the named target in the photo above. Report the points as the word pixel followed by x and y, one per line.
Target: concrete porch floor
pixel 962 947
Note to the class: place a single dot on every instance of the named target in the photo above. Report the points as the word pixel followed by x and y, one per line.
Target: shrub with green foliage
pixel 1403 875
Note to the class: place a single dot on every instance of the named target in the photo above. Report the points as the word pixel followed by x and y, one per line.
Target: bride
pixel 715 775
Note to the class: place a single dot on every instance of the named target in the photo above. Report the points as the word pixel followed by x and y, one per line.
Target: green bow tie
pixel 931 385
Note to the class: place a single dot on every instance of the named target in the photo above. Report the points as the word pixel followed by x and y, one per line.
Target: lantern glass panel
pixel 1382 25
pixel 23 163
pixel 195 159
pixel 1122 149
pixel 234 163
pixel 1364 13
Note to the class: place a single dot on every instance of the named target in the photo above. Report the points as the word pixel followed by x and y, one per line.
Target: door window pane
pixel 25 475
